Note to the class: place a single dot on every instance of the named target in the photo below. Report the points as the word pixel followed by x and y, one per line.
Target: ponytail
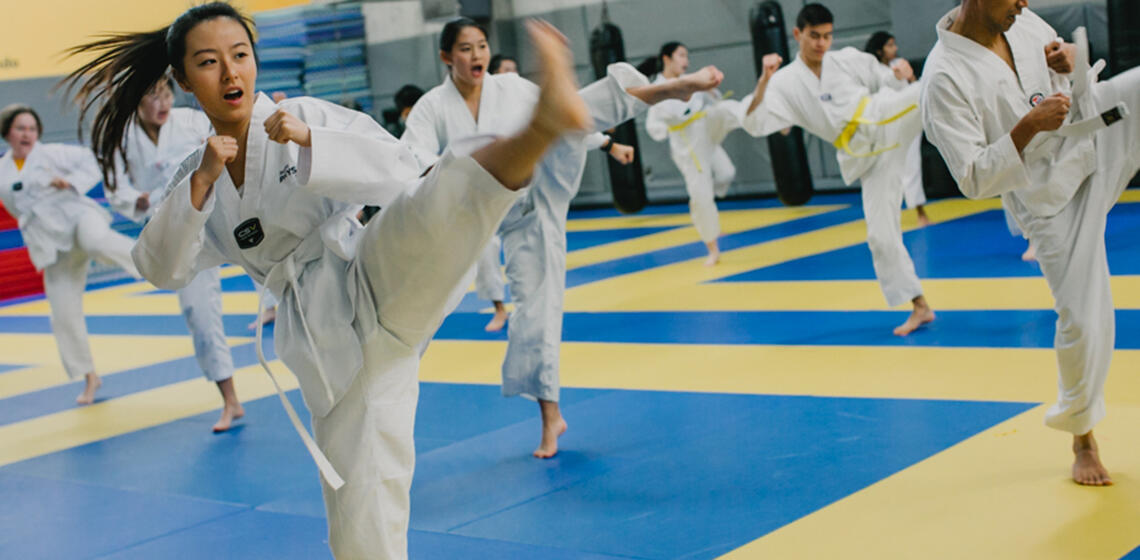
pixel 125 67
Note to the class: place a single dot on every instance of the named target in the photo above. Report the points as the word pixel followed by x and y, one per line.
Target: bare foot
pixel 553 426
pixel 1030 254
pixel 714 253
pixel 560 108
pixel 230 412
pixel 268 316
pixel 921 315
pixel 923 219
pixel 498 320
pixel 1087 468
pixel 88 394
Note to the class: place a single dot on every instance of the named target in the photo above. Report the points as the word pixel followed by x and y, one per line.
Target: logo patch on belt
pixel 1036 99
pixel 249 234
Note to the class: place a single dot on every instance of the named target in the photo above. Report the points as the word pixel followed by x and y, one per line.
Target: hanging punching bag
pixel 1123 35
pixel 627 182
pixel 789 157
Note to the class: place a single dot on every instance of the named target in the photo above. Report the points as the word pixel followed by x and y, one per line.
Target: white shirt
pixel 305 200
pixel 971 101
pixel 696 138
pixel 149 165
pixel 46 215
pixel 823 105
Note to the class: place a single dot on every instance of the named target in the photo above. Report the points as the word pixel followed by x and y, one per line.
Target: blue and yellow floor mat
pixel 757 409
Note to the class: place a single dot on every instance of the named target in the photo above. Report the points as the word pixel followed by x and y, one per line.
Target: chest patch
pixel 1036 99
pixel 249 234
pixel 18 186
pixel 825 97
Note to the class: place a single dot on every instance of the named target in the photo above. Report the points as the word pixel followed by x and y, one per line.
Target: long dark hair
pixel 126 66
pixel 877 42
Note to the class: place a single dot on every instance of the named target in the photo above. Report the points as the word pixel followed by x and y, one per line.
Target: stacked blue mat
pixel 317 51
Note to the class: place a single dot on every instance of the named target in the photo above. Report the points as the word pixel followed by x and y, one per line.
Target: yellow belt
pixel 844 140
pixel 680 127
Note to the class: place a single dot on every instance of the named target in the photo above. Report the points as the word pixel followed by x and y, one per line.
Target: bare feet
pixel 229 414
pixel 921 315
pixel 498 320
pixel 560 109
pixel 1030 254
pixel 714 253
pixel 232 410
pixel 553 426
pixel 1087 468
pixel 267 316
pixel 923 219
pixel 88 394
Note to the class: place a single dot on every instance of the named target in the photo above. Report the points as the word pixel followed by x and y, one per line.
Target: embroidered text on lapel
pixel 286 172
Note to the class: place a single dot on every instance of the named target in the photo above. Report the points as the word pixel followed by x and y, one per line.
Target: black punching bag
pixel 1123 35
pixel 626 181
pixel 789 158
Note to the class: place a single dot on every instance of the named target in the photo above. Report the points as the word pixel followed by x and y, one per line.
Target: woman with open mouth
pixel 42 186
pixel 276 190
pixel 470 102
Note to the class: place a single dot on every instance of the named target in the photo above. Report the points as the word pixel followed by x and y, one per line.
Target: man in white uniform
pixel 867 110
pixel 1017 113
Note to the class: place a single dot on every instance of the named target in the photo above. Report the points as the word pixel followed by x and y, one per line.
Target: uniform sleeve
pixel 773 114
pixel 596 140
pixel 172 248
pixel 657 122
pixel 608 99
pixel 982 169
pixel 421 132
pixel 352 158
pixel 125 195
pixel 77 165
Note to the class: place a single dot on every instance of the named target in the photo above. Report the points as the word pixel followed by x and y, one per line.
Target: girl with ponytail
pixel 695 129
pixel 470 101
pixel 276 190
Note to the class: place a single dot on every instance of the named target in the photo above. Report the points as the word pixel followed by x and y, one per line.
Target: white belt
pixel 290 271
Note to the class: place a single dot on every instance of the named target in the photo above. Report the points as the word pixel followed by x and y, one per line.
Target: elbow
pixel 152 271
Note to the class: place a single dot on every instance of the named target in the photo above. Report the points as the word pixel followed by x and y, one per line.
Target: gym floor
pixel 757 409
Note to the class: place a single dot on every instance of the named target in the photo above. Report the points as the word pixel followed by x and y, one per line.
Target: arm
pixel 76 166
pixel 982 169
pixel 170 250
pixel 125 199
pixel 345 155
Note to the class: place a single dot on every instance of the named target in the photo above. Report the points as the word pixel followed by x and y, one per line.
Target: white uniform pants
pixel 1071 251
pixel 201 302
pixel 489 283
pixel 706 179
pixel 534 249
pixel 914 193
pixel 66 279
pixel 882 197
pixel 410 258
